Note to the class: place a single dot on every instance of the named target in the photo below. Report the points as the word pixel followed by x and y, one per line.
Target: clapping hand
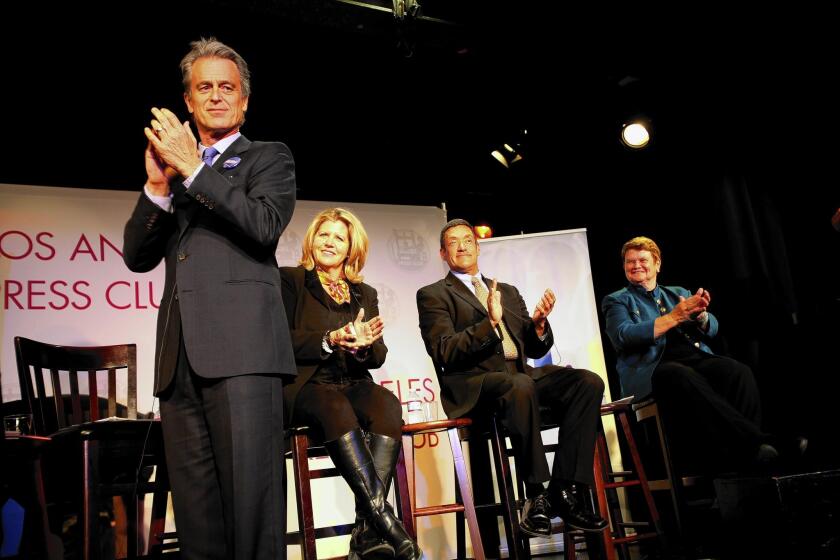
pixel 494 304
pixel 359 334
pixel 543 308
pixel 692 308
pixel 367 332
pixel 173 141
pixel 158 174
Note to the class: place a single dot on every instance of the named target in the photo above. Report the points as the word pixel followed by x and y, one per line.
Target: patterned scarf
pixel 338 290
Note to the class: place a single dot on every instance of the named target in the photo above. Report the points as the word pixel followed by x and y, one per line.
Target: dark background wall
pixel 737 186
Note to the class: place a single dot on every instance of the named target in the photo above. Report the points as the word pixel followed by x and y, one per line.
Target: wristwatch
pixel 325 343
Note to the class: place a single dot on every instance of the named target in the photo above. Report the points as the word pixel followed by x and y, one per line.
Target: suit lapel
pixel 458 288
pixel 240 146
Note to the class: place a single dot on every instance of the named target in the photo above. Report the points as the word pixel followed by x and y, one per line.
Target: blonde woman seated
pixel 337 337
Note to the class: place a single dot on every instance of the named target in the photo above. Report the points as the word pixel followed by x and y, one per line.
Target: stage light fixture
pixel 483 231
pixel 511 152
pixel 635 134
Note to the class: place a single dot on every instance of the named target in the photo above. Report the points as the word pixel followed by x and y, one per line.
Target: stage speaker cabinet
pixel 794 516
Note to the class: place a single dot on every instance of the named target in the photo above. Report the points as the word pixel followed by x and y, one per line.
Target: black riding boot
pixel 365 542
pixel 353 460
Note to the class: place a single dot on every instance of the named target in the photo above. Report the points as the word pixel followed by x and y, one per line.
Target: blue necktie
pixel 209 154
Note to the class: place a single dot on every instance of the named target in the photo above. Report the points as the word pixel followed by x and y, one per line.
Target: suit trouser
pixel 712 409
pixel 224 451
pixel 573 397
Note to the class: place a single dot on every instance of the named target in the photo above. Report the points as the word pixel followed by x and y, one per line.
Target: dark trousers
pixel 573 397
pixel 711 408
pixel 333 409
pixel 224 450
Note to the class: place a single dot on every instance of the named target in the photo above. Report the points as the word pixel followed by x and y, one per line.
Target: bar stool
pixel 607 481
pixel 689 492
pixel 405 480
pixel 647 410
pixel 301 451
pixel 507 507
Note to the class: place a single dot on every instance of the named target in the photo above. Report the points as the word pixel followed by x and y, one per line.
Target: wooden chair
pixel 100 457
pixel 405 481
pixel 301 450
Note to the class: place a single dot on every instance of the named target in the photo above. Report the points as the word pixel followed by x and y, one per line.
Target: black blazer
pixel 219 246
pixel 462 344
pixel 311 313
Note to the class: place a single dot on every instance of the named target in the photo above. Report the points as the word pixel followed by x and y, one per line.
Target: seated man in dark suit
pixel 711 403
pixel 479 333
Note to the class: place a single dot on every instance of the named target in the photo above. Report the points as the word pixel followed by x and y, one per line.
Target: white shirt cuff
pixel 164 202
pixel 188 181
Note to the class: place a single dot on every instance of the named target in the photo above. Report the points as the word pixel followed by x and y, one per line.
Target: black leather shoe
pixel 536 520
pixel 567 506
pixel 792 448
pixel 366 544
pixel 765 455
pixel 779 455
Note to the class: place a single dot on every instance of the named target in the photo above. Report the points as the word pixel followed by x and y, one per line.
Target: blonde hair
pixel 642 243
pixel 358 240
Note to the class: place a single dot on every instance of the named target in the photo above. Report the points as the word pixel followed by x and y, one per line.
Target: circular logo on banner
pixel 288 249
pixel 408 249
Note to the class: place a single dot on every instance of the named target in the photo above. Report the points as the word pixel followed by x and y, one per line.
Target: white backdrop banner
pixel 63 281
pixel 558 260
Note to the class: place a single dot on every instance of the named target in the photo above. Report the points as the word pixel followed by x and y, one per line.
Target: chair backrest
pixel 38 361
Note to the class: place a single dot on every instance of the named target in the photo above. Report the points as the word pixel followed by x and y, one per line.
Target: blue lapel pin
pixel 231 162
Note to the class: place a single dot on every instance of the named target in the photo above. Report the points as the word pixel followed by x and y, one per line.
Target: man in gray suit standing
pixel 214 212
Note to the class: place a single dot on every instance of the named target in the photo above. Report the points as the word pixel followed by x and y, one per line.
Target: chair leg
pixel 90 500
pixel 52 547
pixel 640 474
pixel 133 511
pixel 157 525
pixel 405 485
pixel 676 484
pixel 600 492
pixel 306 520
pixel 484 493
pixel 616 517
pixel 466 493
pixel 518 547
pixel 460 521
pixel 569 552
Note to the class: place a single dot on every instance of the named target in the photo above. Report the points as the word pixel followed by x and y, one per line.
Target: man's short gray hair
pixel 214 48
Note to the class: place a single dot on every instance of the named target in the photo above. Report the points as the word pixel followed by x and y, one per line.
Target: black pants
pixel 224 450
pixel 711 408
pixel 573 396
pixel 333 409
